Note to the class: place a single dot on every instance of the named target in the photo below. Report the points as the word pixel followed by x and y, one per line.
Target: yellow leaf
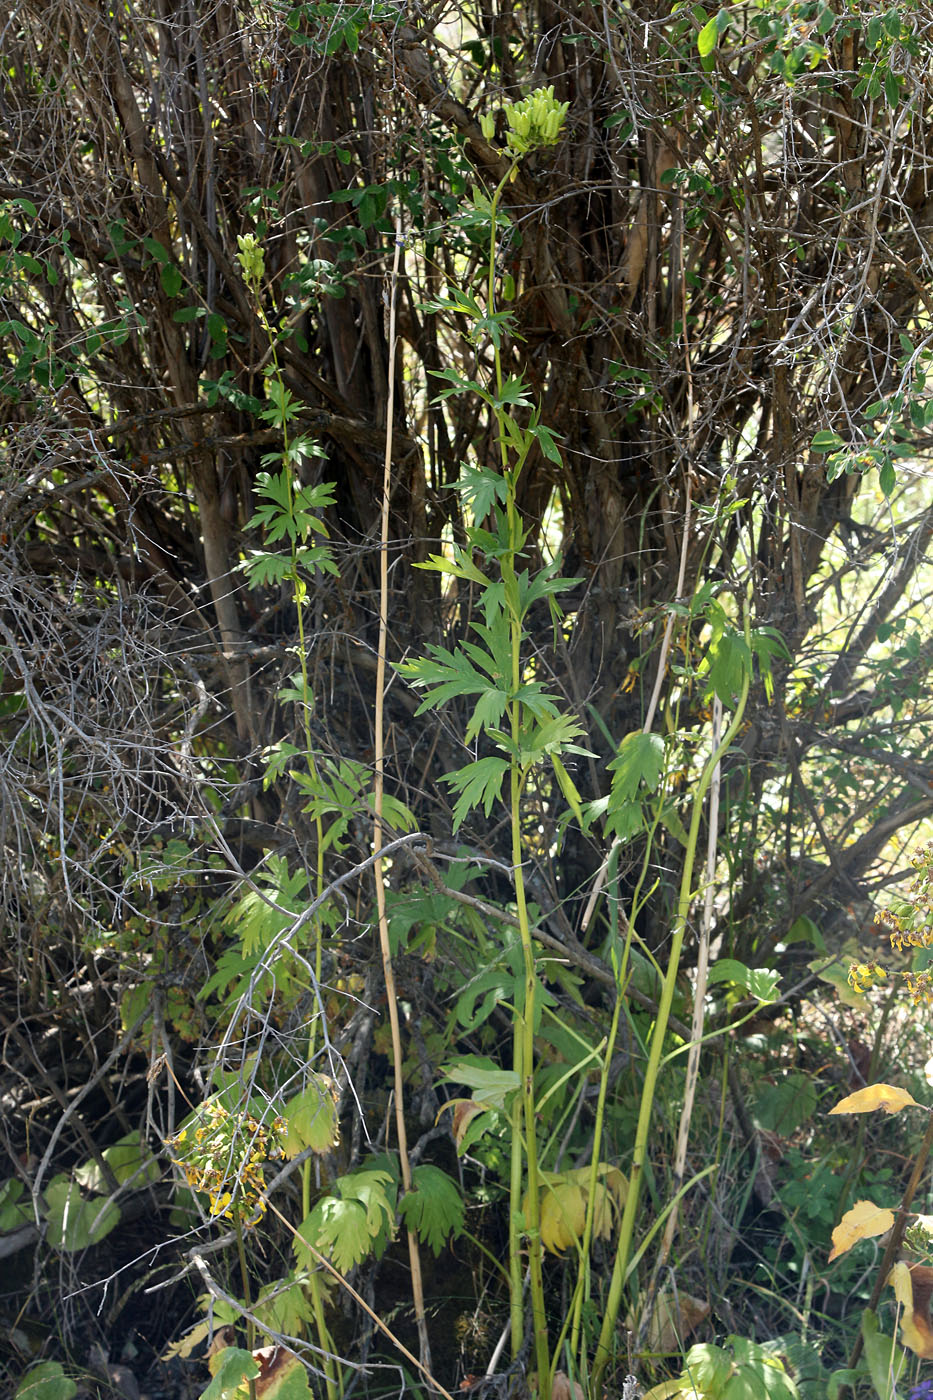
pixel 185 1346
pixel 899 1279
pixel 875 1096
pixel 671 1390
pixel 862 1222
pixel 913 1287
pixel 563 1213
pixel 563 1197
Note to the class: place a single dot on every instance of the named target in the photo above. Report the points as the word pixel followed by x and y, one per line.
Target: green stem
pixel 639 1155
pixel 244 1277
pixel 516 1166
pixel 581 1291
pixel 524 1113
pixel 525 1066
pixel 333 1380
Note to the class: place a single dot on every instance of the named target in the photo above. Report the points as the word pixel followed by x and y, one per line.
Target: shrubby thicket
pixel 713 295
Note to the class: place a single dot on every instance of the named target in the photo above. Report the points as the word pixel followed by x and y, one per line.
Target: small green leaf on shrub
pixel 887 478
pixel 13 1211
pixel 707 37
pixel 171 280
pixel 760 981
pixel 826 441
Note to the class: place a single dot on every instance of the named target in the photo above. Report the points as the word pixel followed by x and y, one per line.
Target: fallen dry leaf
pixel 563 1388
pixel 673 1318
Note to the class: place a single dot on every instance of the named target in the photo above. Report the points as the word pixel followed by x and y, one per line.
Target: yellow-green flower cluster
pixel 911 921
pixel 534 122
pixel 252 260
pixel 864 976
pixel 920 986
pixel 223 1154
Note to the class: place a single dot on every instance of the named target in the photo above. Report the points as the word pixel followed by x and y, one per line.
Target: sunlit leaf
pixel 863 1222
pixel 311 1117
pixel 875 1096
pixel 231 1367
pixel 490 1085
pixel 913 1286
pixel 707 37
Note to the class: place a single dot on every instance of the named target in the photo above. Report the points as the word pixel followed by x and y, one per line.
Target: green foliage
pixel 739 1370
pixel 785 1107
pixel 74 1221
pixel 311 1117
pixel 14 1210
pixel 354 1220
pixel 434 1208
pixel 234 1366
pixel 47 1381
pixel 883 1363
pixel 714 261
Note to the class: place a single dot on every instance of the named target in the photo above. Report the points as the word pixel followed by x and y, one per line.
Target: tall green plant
pixel 357 1216
pixel 524 726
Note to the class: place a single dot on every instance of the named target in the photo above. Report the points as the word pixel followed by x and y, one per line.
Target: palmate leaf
pixel 434 1208
pixel 482 489
pixel 355 1222
pixel 311 1117
pixel 479 782
pixel 457 384
pixel 252 919
pixel 446 674
pixel 553 736
pixel 336 1229
pixel 640 760
pixel 546 440
pixel 285 1306
pixel 514 393
pixel 443 674
pixel 546 583
pixel 536 698
pixel 460 565
pixel 283 404
pixel 263 568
